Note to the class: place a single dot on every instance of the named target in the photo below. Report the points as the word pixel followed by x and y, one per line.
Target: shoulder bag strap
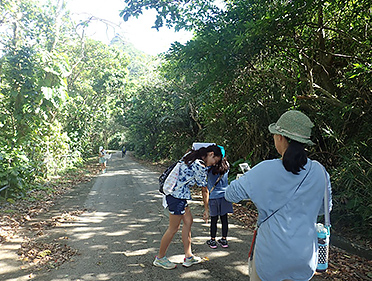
pixel 218 179
pixel 327 219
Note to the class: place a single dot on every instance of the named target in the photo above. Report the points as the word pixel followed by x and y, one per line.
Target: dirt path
pixel 119 232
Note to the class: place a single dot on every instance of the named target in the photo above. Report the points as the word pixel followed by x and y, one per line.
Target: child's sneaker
pixel 212 244
pixel 223 243
pixel 191 260
pixel 164 263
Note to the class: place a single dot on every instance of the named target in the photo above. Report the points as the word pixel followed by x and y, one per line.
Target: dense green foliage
pixel 247 64
pixel 60 93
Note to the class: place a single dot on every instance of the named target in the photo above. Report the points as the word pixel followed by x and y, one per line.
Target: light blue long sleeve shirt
pixel 286 243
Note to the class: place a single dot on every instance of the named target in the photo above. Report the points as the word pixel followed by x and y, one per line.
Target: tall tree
pixel 33 87
pixel 95 85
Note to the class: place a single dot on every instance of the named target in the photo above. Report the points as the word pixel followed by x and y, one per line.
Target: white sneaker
pixel 164 263
pixel 191 260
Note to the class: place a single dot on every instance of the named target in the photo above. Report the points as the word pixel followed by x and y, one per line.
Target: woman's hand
pixel 206 216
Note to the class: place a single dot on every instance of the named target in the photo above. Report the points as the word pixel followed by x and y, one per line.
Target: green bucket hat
pixel 295 125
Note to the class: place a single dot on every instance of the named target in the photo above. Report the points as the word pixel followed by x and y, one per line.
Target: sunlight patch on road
pixel 201 221
pixel 138 172
pixel 85 235
pixel 138 242
pixel 115 173
pixel 136 225
pixel 176 258
pixel 118 233
pixel 93 192
pixel 14 245
pixel 99 247
pixel 20 278
pixel 85 229
pixel 148 233
pixel 217 254
pixel 123 215
pixel 196 274
pixel 236 226
pixel 91 276
pixel 136 253
pixel 145 220
pixel 242 268
pixel 96 217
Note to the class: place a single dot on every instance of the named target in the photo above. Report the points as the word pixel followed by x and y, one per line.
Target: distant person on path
pixel 102 159
pixel 288 194
pixel 193 171
pixel 123 151
pixel 217 204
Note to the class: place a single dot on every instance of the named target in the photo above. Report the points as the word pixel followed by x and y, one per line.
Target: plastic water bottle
pixel 323 246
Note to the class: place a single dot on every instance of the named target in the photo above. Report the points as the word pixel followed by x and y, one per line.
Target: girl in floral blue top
pixel 193 171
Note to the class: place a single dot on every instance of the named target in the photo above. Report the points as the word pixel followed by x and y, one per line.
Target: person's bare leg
pixel 174 225
pixel 186 232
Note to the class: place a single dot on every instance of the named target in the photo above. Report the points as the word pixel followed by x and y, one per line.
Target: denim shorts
pixel 176 206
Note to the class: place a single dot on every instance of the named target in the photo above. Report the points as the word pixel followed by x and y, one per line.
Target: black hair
pixel 201 153
pixel 221 167
pixel 295 157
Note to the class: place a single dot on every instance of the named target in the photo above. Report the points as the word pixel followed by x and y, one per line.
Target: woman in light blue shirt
pixel 288 194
